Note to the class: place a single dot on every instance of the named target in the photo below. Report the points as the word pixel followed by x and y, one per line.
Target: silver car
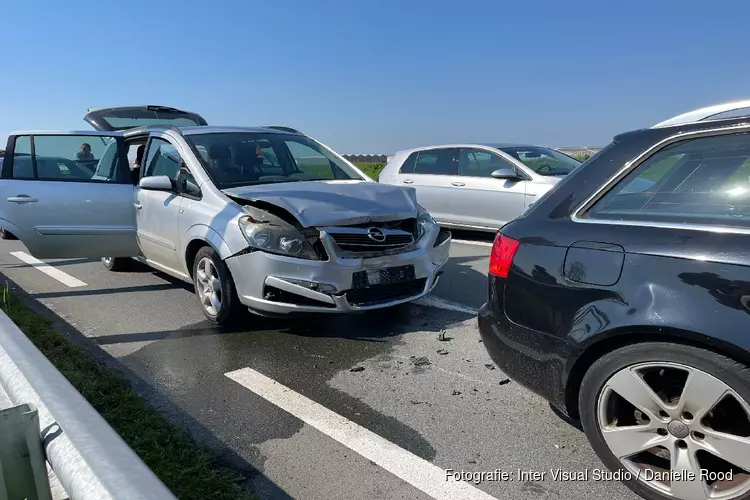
pixel 477 186
pixel 261 218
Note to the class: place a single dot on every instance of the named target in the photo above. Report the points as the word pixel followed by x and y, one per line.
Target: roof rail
pixel 706 113
pixel 284 129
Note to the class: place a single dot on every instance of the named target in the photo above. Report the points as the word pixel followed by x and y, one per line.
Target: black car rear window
pixel 698 181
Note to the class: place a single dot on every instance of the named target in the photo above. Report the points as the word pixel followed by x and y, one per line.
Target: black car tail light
pixel 501 257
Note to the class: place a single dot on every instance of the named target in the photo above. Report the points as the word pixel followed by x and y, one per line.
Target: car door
pixel 158 212
pixel 485 201
pixel 67 195
pixel 430 172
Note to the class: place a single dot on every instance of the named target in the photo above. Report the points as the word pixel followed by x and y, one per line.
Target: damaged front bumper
pixel 277 285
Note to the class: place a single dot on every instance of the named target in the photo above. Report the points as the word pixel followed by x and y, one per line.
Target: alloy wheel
pixel 108 261
pixel 679 430
pixel 208 286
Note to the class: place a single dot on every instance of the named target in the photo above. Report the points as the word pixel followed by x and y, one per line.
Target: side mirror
pixel 189 187
pixel 156 183
pixel 505 173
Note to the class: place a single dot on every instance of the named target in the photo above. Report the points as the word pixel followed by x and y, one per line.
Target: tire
pixel 117 263
pixel 211 275
pixel 6 235
pixel 688 426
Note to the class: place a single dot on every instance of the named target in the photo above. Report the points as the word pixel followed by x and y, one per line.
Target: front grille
pixel 379 294
pixel 363 243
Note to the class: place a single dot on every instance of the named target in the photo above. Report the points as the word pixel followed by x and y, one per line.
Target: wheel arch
pixel 199 236
pixel 612 340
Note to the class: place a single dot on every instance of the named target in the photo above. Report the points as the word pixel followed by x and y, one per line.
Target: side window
pixel 409 164
pixel 479 163
pixel 22 167
pixel 699 181
pixel 310 161
pixel 162 159
pixel 436 162
pixel 69 158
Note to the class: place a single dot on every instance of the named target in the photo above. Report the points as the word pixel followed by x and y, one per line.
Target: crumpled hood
pixel 334 203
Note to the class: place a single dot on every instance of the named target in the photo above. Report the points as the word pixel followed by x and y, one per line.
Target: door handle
pixel 22 198
pixel 137 205
pixel 407 181
pixel 458 183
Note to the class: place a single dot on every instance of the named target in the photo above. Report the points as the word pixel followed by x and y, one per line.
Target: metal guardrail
pixel 89 458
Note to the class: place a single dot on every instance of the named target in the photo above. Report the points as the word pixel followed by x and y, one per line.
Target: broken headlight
pixel 269 233
pixel 425 222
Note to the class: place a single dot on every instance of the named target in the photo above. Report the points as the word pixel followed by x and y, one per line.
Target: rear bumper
pixel 532 359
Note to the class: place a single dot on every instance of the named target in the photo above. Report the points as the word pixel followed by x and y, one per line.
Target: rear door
pixel 127 117
pixel 69 194
pixel 431 172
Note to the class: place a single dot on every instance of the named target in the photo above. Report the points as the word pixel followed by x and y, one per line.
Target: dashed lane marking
pixel 431 301
pixel 423 475
pixel 476 243
pixel 50 271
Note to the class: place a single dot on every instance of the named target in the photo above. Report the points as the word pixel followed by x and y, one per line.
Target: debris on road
pixel 456 393
pixel 420 361
pixel 490 366
pixel 357 369
pixel 443 338
pixel 442 352
pixel 505 381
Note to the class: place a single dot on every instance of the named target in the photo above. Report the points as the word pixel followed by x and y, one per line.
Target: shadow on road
pixel 163 403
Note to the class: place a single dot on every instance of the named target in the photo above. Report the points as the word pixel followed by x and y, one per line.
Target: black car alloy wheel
pixel 674 420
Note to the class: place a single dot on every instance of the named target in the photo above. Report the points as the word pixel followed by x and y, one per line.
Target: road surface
pixel 280 401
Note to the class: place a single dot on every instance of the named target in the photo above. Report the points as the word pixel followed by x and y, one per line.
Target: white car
pixel 261 218
pixel 477 186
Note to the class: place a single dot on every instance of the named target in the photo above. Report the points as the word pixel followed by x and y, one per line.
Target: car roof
pixel 495 145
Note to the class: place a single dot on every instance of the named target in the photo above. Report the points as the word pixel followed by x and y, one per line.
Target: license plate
pixel 388 275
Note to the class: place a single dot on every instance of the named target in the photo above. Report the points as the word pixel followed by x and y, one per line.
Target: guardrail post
pixel 23 467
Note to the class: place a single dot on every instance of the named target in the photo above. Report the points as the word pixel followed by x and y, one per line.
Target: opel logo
pixel 376 234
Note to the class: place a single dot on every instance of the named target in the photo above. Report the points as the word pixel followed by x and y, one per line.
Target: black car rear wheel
pixel 674 420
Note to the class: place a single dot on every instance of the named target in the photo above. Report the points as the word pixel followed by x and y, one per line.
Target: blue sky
pixel 379 76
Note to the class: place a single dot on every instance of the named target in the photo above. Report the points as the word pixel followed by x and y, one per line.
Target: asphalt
pixel 453 412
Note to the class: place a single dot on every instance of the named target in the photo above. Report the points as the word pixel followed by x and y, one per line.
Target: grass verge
pixel 189 470
pixel 372 170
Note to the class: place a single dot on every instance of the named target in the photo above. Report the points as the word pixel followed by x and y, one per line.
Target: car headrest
pixel 219 152
pixel 245 154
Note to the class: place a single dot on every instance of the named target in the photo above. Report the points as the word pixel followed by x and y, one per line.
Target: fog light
pixel 318 287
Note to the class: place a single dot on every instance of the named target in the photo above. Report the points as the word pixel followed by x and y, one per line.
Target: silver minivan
pixel 262 218
pixel 477 186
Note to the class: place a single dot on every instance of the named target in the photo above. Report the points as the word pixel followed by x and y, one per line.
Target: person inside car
pixel 84 155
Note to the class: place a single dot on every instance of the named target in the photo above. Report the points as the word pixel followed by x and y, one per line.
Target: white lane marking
pixel 430 301
pixel 416 471
pixel 477 243
pixel 50 271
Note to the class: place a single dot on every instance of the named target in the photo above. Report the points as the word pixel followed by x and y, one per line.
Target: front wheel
pixel 215 288
pixel 672 420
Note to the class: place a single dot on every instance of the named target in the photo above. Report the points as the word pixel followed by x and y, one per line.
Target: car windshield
pixel 234 159
pixel 543 161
